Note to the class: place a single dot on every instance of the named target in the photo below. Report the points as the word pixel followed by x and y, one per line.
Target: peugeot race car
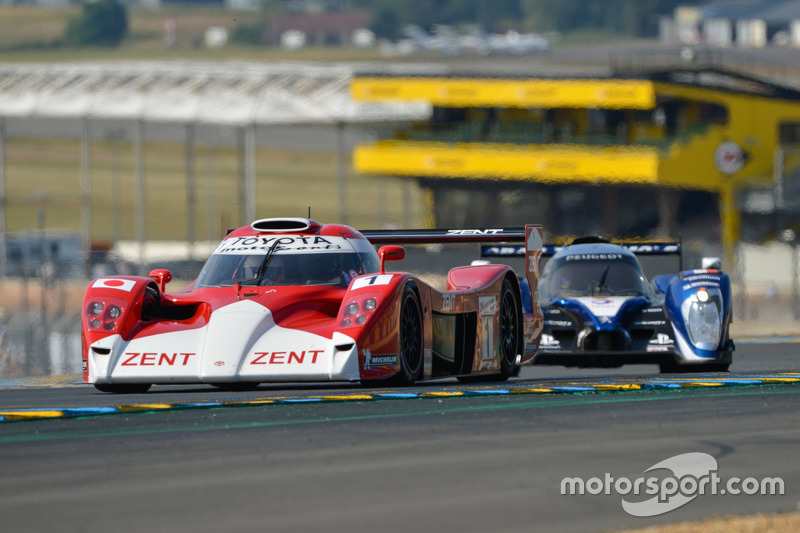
pixel 601 311
pixel 291 299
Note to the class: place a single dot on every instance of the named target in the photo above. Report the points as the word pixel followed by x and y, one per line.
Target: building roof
pixel 327 22
pixel 782 12
pixel 732 9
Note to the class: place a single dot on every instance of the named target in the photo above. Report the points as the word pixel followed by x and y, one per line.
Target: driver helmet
pixel 276 269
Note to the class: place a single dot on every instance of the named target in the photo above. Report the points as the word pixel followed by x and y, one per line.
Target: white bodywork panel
pixel 241 342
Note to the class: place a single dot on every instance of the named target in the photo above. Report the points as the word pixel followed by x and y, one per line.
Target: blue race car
pixel 600 310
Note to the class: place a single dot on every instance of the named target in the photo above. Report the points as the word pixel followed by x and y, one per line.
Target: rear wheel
pixel 410 339
pixel 123 388
pixel 510 337
pixel 510 330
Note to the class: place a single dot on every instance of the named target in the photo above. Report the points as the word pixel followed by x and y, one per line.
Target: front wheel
pixel 409 339
pixel 123 388
pixel 674 368
pixel 237 386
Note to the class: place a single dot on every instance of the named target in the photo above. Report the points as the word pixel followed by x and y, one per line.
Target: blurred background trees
pixel 100 23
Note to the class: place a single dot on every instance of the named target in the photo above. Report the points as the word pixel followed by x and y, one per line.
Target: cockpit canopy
pixel 593 270
pixel 288 260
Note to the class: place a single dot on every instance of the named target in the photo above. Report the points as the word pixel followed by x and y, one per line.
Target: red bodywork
pixel 135 308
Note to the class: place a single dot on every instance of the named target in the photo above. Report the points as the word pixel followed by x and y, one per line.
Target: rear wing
pixel 529 241
pixel 548 250
pixel 659 257
pixel 440 236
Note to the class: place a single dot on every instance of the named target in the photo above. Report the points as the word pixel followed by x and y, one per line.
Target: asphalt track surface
pixel 441 456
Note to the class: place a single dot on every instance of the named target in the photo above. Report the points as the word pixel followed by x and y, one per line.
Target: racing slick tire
pixel 675 368
pixel 510 336
pixel 410 339
pixel 123 388
pixel 238 386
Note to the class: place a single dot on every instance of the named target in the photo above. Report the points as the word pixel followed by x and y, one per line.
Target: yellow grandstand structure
pixel 641 155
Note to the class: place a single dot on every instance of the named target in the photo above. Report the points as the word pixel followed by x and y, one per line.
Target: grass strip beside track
pixel 773 522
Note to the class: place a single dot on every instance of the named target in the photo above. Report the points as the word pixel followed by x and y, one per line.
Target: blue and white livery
pixel 600 310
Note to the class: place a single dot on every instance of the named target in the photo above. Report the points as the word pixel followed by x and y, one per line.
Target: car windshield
pixel 594 278
pixel 334 269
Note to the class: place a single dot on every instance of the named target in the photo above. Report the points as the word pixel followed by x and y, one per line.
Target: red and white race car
pixel 291 299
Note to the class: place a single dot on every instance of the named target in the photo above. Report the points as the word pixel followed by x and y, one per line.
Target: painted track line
pixel 597 386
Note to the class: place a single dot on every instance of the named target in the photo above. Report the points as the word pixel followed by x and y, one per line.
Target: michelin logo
pixel 371 361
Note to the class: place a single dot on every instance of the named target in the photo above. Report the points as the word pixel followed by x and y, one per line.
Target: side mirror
pixel 162 276
pixel 390 253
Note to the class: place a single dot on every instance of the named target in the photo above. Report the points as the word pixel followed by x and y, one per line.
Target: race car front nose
pixel 615 340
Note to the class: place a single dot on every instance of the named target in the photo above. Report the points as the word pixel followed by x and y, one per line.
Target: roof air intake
pixel 282 224
pixel 590 239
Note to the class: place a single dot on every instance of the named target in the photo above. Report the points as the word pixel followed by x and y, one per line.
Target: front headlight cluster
pixel 356 312
pixel 103 316
pixel 703 316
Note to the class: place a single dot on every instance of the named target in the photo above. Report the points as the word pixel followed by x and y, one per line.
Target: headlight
pixel 358 310
pixel 704 323
pixel 104 315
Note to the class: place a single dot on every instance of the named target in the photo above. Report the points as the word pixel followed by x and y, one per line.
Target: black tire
pixel 510 337
pixel 410 339
pixel 237 386
pixel 668 368
pixel 123 388
pixel 674 368
pixel 510 330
